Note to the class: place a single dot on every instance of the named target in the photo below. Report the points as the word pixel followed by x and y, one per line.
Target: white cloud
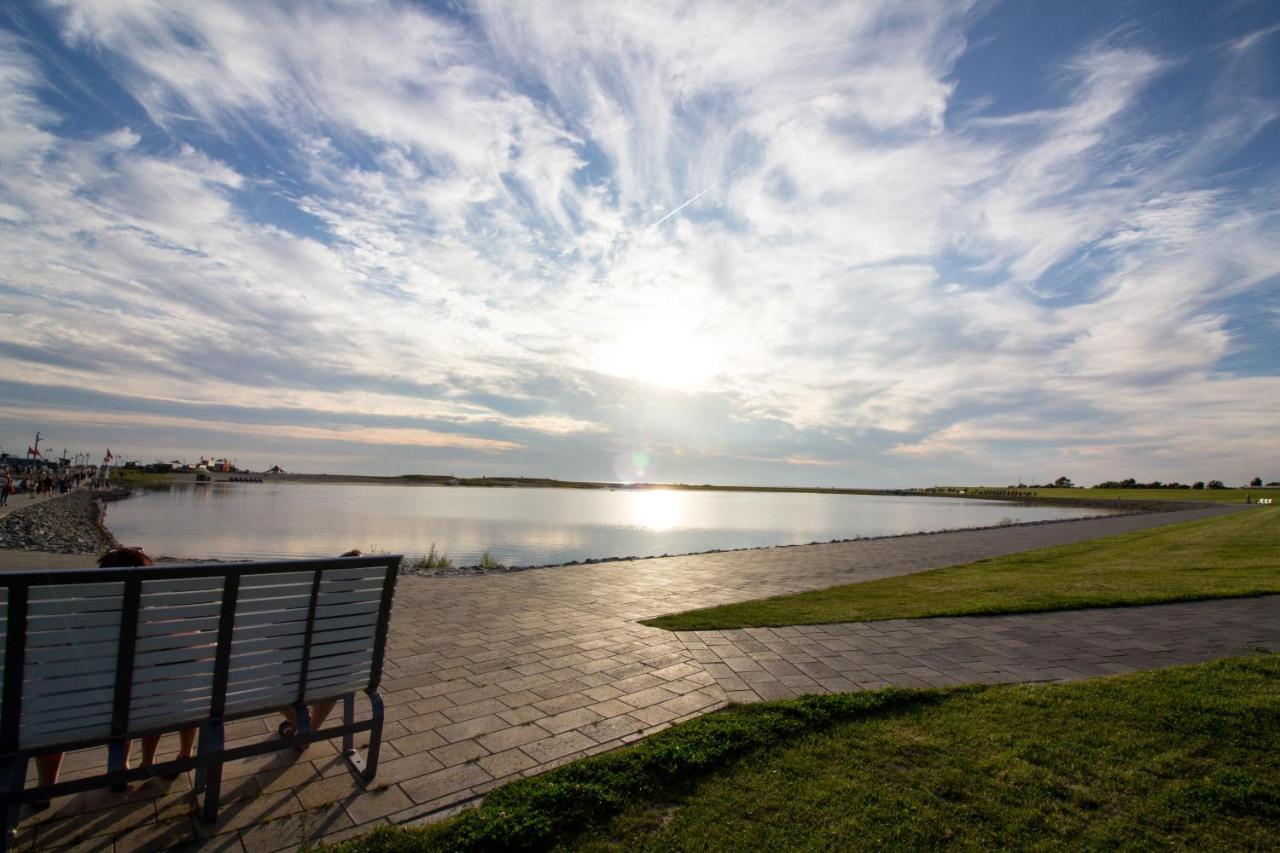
pixel 512 213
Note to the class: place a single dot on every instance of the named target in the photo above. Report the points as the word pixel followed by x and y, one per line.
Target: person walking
pixel 6 488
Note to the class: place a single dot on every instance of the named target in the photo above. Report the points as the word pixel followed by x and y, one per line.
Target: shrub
pixel 432 560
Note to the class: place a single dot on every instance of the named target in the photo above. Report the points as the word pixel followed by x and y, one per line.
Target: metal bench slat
pixel 347 609
pixel 152 632
pixel 169 675
pixel 171 613
pixel 97 651
pixel 65 591
pixel 72 638
pixel 259 612
pixel 366 573
pixel 77 606
pixel 190 679
pixel 181 596
pixel 36 706
pixel 179 652
pixel 72 621
pixel 70 681
pixel 335 635
pixel 185 584
pixel 278 672
pixel 267 644
pixel 334 597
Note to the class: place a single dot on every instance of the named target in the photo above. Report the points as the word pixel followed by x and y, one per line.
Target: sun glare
pixel 665 357
pixel 657 509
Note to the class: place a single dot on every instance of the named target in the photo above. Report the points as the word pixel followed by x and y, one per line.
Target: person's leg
pixel 150 744
pixel 319 711
pixel 48 766
pixel 186 742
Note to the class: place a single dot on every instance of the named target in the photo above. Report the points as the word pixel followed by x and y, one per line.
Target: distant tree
pixel 1198 484
pixel 1062 483
pixel 1216 484
pixel 1256 482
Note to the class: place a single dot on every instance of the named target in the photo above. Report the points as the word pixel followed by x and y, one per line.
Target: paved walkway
pixel 494 677
pixel 755 664
pixel 25 499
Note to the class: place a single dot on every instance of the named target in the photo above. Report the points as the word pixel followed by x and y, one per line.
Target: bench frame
pixel 212 751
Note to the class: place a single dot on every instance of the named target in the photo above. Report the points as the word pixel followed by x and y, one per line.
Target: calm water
pixel 519 526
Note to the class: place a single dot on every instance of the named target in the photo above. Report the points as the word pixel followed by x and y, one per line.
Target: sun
pixel 665 356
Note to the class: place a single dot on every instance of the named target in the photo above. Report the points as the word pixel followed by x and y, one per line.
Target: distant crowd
pixel 45 481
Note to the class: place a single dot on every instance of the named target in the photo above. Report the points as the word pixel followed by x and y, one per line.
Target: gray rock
pixel 68 524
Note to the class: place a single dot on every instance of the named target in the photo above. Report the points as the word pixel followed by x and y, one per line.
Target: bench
pixel 96 657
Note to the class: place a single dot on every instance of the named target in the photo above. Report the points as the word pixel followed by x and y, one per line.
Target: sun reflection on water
pixel 656 509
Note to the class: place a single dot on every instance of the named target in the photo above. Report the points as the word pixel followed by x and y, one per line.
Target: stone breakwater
pixel 70 524
pixel 407 568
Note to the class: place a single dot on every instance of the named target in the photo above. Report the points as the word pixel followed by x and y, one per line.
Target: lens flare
pixel 633 467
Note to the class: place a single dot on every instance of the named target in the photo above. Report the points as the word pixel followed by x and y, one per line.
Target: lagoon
pixel 261 521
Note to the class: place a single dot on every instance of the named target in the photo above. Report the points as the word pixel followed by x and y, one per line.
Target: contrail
pixel 695 197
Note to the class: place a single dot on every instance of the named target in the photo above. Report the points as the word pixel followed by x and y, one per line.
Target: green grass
pixel 1226 556
pixel 1222 496
pixel 432 560
pixel 142 479
pixel 1186 758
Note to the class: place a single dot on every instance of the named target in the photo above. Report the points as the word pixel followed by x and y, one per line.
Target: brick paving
pixel 756 664
pixel 490 678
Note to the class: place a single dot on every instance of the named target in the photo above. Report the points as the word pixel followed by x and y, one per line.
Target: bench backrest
pixel 95 653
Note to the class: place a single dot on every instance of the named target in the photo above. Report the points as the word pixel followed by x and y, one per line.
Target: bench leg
pixel 375 738
pixel 117 759
pixel 303 716
pixel 348 720
pixel 366 766
pixel 13 778
pixel 212 742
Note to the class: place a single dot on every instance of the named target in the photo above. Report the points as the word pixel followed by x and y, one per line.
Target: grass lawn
pixel 1231 555
pixel 1218 496
pixel 1186 758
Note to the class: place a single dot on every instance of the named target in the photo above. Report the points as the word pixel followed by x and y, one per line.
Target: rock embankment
pixel 70 524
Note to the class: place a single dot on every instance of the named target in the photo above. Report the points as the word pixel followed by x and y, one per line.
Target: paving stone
pixel 503 764
pixel 556 746
pixel 445 783
pixel 286 832
pixel 376 802
pixel 410 767
pixel 512 737
pixel 456 753
pixel 472 728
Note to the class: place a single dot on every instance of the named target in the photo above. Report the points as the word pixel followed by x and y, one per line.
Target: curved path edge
pixel 756 664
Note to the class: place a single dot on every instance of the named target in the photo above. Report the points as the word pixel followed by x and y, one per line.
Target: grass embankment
pixel 1227 556
pixel 1217 496
pixel 143 480
pixel 1186 757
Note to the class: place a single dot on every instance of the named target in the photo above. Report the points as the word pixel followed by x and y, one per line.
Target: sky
pixel 792 243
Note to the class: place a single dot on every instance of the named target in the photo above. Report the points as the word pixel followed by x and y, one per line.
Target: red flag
pixel 109 457
pixel 33 452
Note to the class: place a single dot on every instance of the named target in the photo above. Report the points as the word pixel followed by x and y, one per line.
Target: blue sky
pixel 782 243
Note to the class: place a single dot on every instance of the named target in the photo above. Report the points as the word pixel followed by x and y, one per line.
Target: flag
pixel 107 459
pixel 31 451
